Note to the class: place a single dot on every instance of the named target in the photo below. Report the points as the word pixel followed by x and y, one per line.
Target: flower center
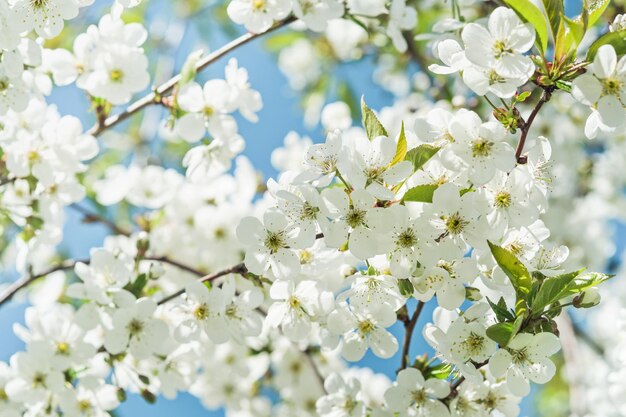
pixel 38 4
pixel 135 327
pixel 611 86
pixel 481 147
pixel 232 312
pixel 325 165
pixel 374 175
pixel 502 199
pixel 39 380
pixel 258 4
pixel 208 111
pixel 349 405
pixel 365 327
pixel 495 78
pixel 84 406
pixel 474 343
pixel 63 348
pixel 306 257
pixel 201 312
pixel 406 239
pixel 419 397
pixel 219 233
pixel 309 211
pixel 520 356
pixel 4 84
pixel 355 217
pixel 275 241
pixel 455 224
pixel 116 75
pixel 294 303
pixel 516 248
pixel 500 47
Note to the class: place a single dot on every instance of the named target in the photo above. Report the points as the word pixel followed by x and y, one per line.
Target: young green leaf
pixel 373 127
pixel 594 9
pixel 501 333
pixel 530 13
pixel 586 281
pixel 514 269
pixel 617 39
pixel 420 155
pixel 569 36
pixel 554 9
pixel 400 148
pixel 406 287
pixel 439 371
pixel 502 313
pixel 552 290
pixel 421 193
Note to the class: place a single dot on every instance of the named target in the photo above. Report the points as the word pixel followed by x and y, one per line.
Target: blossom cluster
pixel 286 285
pixel 317 15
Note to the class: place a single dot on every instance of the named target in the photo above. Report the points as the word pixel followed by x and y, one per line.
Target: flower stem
pixel 526 124
pixel 409 327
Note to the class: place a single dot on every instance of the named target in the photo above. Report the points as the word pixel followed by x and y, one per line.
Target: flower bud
pixel 587 299
pixel 473 294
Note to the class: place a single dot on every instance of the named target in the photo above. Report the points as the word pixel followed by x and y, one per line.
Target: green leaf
pixel 439 371
pixel 400 148
pixel 584 282
pixel 372 125
pixel 406 287
pixel 554 9
pixel 515 270
pixel 594 9
pixel 502 313
pixel 421 193
pixel 517 325
pixel 530 13
pixel 420 155
pixel 617 39
pixel 551 291
pixel 501 333
pixel 569 35
pixel 521 97
pixel 563 85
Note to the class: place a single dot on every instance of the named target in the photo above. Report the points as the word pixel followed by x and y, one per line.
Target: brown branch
pixel 526 124
pixel 237 269
pixel 409 327
pixel 308 354
pixel 415 55
pixel 91 217
pixel 12 289
pixel 155 97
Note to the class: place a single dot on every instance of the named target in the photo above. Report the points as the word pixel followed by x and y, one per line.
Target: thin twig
pixel 10 291
pixel 308 354
pixel 584 336
pixel 237 269
pixel 545 97
pixel 409 327
pixel 155 96
pixel 415 55
pixel 91 217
